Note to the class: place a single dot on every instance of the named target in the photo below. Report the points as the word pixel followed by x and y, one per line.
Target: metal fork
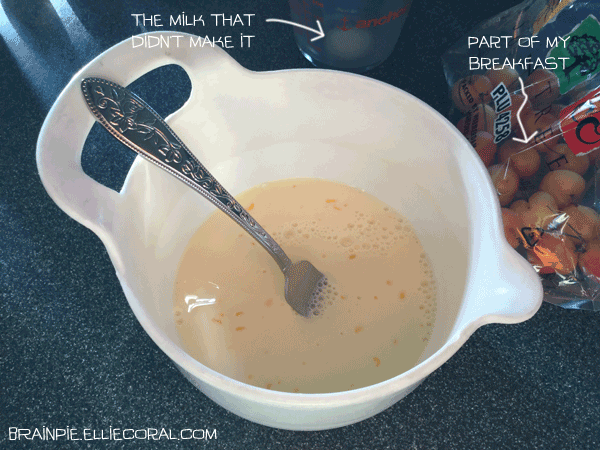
pixel 133 122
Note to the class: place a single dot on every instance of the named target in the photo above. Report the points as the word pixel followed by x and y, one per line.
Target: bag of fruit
pixel 526 93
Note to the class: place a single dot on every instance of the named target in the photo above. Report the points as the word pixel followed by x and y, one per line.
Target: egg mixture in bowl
pixel 379 304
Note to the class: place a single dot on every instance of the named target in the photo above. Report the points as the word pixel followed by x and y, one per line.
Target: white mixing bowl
pixel 248 128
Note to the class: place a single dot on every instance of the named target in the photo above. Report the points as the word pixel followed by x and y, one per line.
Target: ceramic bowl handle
pixel 68 123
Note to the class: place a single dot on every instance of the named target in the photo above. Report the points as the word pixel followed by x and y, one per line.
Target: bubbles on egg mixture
pixel 364 234
pixel 324 298
pixel 317 300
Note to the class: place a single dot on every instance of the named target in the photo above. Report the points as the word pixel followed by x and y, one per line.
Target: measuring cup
pixel 359 34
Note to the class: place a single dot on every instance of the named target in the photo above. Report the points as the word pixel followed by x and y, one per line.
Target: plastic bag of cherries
pixel 526 94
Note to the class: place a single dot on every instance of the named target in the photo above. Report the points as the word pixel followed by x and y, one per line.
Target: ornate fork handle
pixel 137 125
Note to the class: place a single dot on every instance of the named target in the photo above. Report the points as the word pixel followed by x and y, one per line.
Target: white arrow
pixel 319 33
pixel 527 139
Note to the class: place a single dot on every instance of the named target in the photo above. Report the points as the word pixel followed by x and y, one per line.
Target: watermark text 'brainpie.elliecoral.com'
pixel 108 434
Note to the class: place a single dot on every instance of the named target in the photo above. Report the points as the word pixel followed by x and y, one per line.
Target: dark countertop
pixel 73 355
